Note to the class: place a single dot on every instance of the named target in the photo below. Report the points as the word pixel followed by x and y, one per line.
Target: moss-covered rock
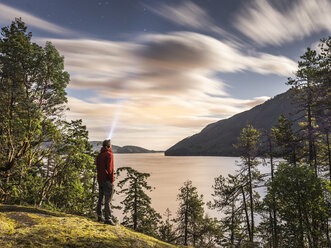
pixel 32 227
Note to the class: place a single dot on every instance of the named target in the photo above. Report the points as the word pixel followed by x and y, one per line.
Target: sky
pixel 150 73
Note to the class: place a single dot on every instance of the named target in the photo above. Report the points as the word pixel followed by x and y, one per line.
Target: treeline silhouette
pixel 47 161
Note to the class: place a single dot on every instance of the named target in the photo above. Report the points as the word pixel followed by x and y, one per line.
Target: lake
pixel 168 174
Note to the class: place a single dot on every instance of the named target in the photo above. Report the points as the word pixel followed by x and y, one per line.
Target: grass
pixel 22 226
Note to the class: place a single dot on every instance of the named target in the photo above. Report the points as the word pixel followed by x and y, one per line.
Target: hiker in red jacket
pixel 105 171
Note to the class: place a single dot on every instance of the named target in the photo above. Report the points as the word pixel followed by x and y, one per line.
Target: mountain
pixel 22 226
pixel 118 149
pixel 217 139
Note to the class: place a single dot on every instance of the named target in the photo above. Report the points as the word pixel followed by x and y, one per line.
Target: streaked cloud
pixel 8 14
pixel 175 55
pixel 162 120
pixel 189 14
pixel 263 23
pixel 159 84
pixel 186 13
pixel 164 83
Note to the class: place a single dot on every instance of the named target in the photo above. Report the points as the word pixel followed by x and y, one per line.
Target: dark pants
pixel 106 190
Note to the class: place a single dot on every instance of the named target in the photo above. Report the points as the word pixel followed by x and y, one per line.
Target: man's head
pixel 106 143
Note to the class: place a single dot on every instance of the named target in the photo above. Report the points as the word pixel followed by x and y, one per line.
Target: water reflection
pixel 168 174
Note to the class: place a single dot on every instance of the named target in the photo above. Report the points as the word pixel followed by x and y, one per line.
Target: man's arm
pixel 109 168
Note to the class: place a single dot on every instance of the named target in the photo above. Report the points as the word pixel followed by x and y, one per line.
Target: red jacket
pixel 105 165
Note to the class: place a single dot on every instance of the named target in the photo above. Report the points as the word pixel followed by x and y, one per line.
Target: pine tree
pixel 311 90
pixel 248 144
pixel 269 225
pixel 228 200
pixel 286 140
pixel 166 229
pixel 138 213
pixel 189 214
pixel 323 103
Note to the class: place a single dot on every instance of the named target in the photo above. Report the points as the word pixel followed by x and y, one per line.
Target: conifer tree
pixel 250 176
pixel 323 104
pixel 189 214
pixel 138 212
pixel 286 140
pixel 227 199
pixel 311 87
pixel 166 229
pixel 268 227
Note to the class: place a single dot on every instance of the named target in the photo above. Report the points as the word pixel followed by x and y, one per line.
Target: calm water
pixel 168 174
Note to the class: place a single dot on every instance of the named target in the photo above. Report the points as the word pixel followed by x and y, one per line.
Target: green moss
pixel 6 224
pixel 33 227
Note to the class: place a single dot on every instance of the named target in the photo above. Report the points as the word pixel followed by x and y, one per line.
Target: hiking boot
pixel 109 222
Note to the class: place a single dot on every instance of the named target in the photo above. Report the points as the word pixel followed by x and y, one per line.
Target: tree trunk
pixel 301 234
pixel 310 128
pixel 274 212
pixel 186 219
pixel 251 198
pixel 329 153
pixel 246 214
pixel 135 207
pixel 232 223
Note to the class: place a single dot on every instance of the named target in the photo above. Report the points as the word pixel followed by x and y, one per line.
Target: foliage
pixel 249 175
pixel 303 200
pixel 286 139
pixel 44 160
pixel 32 90
pixel 192 227
pixel 139 215
pixel 311 87
pixel 166 228
pixel 227 198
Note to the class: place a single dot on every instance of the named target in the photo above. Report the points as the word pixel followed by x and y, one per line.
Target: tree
pixel 166 229
pixel 248 144
pixel 67 182
pixel 32 97
pixel 269 153
pixel 227 197
pixel 189 213
pixel 286 139
pixel 322 105
pixel 139 215
pixel 312 91
pixel 193 228
pixel 303 201
pixel 44 160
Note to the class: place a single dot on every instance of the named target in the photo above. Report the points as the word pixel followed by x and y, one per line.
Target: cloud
pixel 189 51
pixel 162 55
pixel 161 84
pixel 8 14
pixel 266 25
pixel 161 120
pixel 188 14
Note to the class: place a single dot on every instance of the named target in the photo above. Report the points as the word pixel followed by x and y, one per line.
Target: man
pixel 105 171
